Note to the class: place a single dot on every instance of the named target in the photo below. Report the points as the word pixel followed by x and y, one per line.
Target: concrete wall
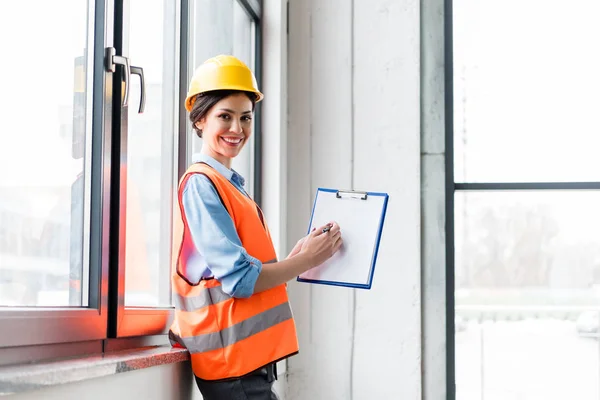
pixel 166 382
pixel 274 124
pixel 354 122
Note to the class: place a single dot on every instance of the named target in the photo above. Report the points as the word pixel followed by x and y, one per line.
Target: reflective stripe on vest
pixel 237 332
pixel 228 337
pixel 209 296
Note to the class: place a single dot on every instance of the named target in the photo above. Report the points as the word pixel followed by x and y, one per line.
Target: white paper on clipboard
pixel 361 216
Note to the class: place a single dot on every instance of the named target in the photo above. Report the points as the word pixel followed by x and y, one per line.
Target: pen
pixel 326 229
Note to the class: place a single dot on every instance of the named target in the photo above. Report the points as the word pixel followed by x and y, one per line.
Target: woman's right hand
pixel 319 246
pixel 316 248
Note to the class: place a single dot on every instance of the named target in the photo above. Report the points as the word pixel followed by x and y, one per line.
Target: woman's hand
pixel 319 246
pixel 297 247
pixel 310 251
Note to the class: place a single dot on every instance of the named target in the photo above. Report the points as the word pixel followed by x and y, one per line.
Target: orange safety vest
pixel 228 337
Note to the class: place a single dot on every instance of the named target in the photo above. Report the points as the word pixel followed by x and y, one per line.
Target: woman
pixel 232 310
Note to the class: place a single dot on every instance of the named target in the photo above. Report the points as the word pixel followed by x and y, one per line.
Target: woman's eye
pixel 246 118
pixel 224 116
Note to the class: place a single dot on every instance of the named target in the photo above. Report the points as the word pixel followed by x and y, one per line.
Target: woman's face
pixel 226 128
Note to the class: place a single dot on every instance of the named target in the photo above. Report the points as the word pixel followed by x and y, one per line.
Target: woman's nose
pixel 236 126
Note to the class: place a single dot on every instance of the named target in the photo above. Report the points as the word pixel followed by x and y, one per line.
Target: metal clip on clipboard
pixel 353 194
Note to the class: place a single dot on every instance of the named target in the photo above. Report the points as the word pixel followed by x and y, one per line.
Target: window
pixel 50 267
pixel 237 36
pixel 148 167
pixel 89 179
pixel 525 189
pixel 42 201
pixel 151 175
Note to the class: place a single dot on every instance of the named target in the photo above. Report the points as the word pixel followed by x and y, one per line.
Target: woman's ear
pixel 199 124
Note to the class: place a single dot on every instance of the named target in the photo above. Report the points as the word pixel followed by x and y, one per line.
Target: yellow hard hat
pixel 221 73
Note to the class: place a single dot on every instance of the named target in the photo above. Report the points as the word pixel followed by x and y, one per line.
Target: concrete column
pixel 354 121
pixel 433 200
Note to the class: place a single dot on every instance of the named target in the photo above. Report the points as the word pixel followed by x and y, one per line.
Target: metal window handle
pixel 140 71
pixel 111 60
pixel 111 65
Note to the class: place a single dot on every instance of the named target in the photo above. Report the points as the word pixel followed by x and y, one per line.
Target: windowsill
pixel 26 377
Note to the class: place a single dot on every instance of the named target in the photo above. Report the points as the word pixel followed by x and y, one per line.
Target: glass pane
pixel 45 105
pixel 527 295
pixel 243 48
pixel 224 27
pixel 525 92
pixel 151 153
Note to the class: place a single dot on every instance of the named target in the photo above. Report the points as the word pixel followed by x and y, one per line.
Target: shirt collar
pixel 230 174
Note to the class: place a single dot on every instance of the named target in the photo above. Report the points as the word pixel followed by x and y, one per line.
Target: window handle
pixel 140 71
pixel 111 65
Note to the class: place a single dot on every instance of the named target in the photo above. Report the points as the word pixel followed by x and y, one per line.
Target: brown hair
pixel 205 101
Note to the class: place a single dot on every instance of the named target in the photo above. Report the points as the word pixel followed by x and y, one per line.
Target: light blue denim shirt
pixel 221 254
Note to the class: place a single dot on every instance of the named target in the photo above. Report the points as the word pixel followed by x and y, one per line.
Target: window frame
pixel 254 9
pixel 21 327
pixel 452 187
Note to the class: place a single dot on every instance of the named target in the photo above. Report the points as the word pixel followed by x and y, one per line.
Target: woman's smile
pixel 232 141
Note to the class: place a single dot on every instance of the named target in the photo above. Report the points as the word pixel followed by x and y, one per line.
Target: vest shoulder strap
pixel 198 168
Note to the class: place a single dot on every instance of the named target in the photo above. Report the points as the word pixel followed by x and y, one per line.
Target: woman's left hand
pixel 297 247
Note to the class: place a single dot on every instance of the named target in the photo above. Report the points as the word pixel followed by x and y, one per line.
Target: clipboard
pixel 361 216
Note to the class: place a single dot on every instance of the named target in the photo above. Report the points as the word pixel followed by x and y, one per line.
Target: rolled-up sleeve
pixel 216 238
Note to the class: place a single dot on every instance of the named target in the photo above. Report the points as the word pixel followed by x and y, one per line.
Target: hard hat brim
pixel 191 98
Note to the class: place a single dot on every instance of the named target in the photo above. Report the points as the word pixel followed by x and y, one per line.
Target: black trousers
pixel 257 385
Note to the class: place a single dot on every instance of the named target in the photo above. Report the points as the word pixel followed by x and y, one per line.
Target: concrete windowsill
pixel 25 377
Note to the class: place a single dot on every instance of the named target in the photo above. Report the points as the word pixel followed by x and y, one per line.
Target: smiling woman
pixel 231 304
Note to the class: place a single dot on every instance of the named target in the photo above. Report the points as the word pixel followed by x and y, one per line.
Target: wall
pixel 433 200
pixel 165 382
pixel 274 141
pixel 354 122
